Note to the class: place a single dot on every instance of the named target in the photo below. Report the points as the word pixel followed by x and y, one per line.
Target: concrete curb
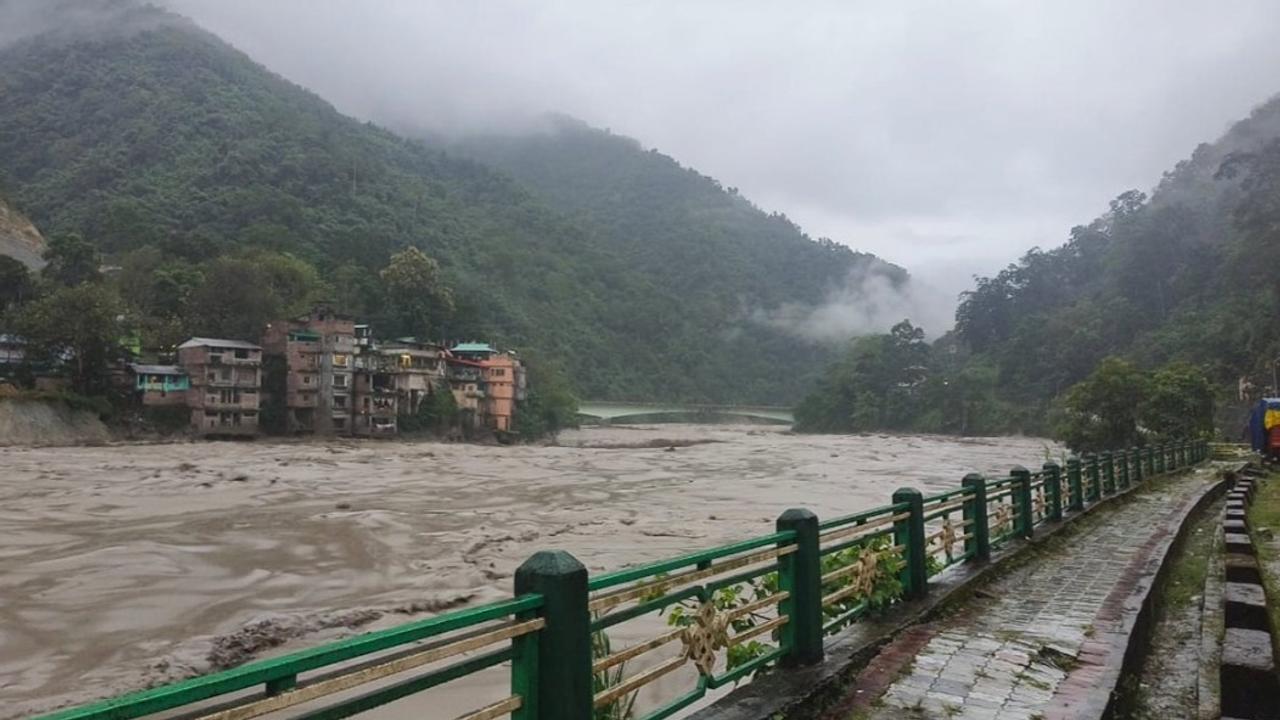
pixel 1247 676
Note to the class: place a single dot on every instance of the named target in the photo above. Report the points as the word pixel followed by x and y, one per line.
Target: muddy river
pixel 126 565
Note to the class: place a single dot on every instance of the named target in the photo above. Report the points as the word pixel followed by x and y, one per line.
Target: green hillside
pixel 1186 280
pixel 693 236
pixel 185 161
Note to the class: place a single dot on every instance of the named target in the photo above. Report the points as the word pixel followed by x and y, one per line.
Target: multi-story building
pixel 375 405
pixel 500 377
pixel 488 383
pixel 160 384
pixel 225 378
pixel 418 368
pixel 313 359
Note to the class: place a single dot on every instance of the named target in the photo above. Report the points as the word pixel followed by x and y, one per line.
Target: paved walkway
pixel 1033 644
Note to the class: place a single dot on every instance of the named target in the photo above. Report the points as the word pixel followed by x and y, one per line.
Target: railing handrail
pixel 862 517
pixel 204 687
pixel 626 575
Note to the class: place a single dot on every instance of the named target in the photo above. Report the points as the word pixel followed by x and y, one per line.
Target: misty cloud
pixel 24 18
pixel 945 137
pixel 857 120
pixel 867 302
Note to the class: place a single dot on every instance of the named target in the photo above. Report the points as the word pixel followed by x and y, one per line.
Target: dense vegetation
pixel 225 194
pixel 1189 276
pixel 711 260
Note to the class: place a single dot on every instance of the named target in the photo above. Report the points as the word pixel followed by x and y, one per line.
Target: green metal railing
pixel 720 614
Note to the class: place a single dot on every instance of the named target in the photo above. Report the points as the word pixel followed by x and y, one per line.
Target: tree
pixel 439 411
pixel 72 259
pixel 416 292
pixel 81 325
pixel 1179 403
pixel 1101 412
pixel 549 405
pixel 15 282
pixel 234 300
pixel 877 385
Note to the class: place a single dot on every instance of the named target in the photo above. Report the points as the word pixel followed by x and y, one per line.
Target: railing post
pixel 1022 493
pixel 1137 465
pixel 1160 458
pixel 1151 461
pixel 1053 489
pixel 1182 453
pixel 909 534
pixel 1122 474
pixel 975 511
pixel 1108 473
pixel 801 576
pixel 1075 488
pixel 1095 480
pixel 563 678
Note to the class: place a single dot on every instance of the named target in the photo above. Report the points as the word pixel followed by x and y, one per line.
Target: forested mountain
pixel 1186 278
pixel 226 194
pixel 695 238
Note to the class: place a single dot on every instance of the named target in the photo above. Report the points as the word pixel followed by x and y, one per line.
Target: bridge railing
pixel 707 619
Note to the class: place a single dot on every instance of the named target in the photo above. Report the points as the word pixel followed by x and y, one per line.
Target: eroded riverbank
pixel 127 565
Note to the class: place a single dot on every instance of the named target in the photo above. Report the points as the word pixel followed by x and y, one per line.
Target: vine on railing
pixel 727 612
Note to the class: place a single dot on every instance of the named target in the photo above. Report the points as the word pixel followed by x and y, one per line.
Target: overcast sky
pixel 945 136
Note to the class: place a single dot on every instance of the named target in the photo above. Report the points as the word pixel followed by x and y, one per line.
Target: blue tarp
pixel 1257 420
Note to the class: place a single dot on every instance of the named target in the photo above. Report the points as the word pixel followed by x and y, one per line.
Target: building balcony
pixel 234 383
pixel 232 360
pixel 220 404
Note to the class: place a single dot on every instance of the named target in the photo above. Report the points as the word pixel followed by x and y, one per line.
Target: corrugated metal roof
pixel 157 369
pixel 474 348
pixel 219 342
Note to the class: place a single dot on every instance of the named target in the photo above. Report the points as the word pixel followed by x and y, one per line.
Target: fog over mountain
pixel 946 137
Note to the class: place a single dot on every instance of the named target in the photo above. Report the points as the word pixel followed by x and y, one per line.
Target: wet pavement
pixel 1032 644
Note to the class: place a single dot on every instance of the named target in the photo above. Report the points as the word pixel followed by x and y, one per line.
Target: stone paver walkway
pixel 1032 644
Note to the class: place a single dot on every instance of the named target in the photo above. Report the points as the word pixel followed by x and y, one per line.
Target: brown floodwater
pixel 126 565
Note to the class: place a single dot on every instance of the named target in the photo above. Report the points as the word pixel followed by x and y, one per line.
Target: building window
pixel 340 360
pixel 339 402
pixel 306 379
pixel 498 372
pixel 242 354
pixel 340 381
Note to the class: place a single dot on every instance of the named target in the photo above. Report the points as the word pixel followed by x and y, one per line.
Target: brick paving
pixel 1033 643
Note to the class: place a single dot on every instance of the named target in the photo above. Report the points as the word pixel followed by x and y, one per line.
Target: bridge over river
pixel 610 411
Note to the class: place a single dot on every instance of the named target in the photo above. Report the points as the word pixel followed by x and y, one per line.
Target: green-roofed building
pixel 473 351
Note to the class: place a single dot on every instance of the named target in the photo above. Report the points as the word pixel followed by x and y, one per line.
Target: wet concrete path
pixel 1035 643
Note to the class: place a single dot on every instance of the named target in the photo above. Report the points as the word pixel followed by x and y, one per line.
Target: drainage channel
pixel 1181 644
